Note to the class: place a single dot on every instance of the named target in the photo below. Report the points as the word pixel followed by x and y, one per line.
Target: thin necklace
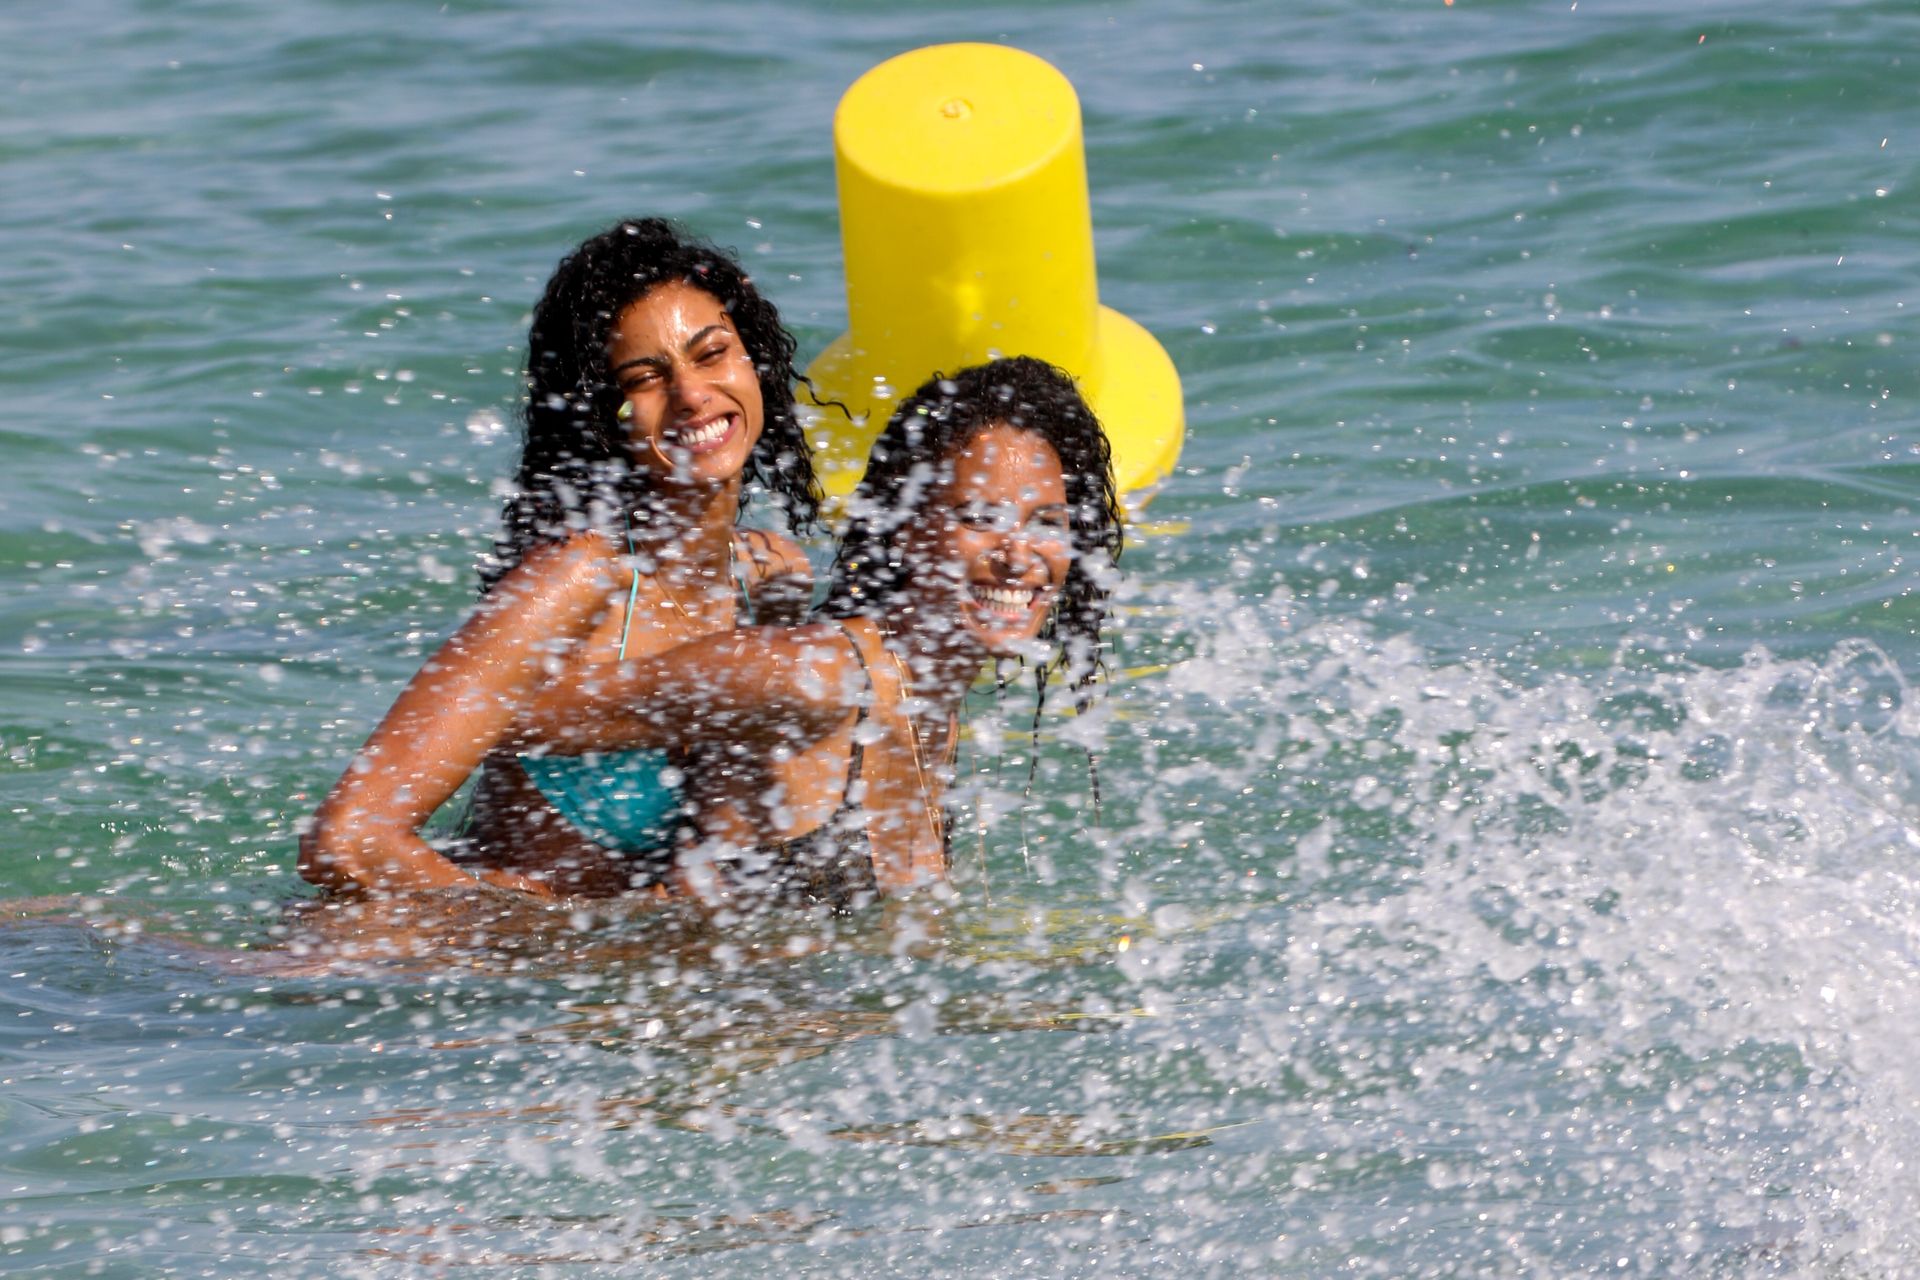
pixel 934 827
pixel 732 569
pixel 633 591
pixel 674 600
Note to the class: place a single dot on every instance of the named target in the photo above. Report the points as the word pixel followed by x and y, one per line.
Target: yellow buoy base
pixel 1138 403
pixel 965 222
pixel 1137 400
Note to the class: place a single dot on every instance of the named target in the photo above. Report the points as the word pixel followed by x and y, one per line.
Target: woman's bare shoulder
pixel 584 562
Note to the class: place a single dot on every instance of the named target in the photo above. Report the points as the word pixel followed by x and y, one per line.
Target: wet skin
pixel 988 555
pixel 995 548
pixel 540 652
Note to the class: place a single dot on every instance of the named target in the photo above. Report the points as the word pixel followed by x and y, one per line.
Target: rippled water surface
pixel 1507 863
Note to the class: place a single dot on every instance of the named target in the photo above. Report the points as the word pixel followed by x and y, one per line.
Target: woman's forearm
pixel 756 686
pixel 393 862
pixel 347 856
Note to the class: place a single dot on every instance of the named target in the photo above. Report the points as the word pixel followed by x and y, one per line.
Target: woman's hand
pixel 500 878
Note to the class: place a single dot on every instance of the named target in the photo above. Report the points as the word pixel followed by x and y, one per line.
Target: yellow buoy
pixel 968 235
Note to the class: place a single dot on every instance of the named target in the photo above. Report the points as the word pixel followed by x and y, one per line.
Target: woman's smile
pixel 1002 538
pixel 702 435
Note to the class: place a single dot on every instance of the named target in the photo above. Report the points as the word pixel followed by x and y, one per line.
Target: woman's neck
pixel 686 535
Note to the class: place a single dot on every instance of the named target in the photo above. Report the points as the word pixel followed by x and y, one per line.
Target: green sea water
pixel 1506 862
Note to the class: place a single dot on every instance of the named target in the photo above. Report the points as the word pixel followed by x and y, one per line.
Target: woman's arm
pixel 567 715
pixel 759 687
pixel 461 705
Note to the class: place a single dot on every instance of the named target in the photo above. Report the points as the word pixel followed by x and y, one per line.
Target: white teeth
pixel 1004 597
pixel 704 435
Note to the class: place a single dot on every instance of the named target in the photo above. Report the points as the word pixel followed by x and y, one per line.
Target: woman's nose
pixel 1014 553
pixel 689 392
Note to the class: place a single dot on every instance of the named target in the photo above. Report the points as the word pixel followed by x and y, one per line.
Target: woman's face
pixel 692 403
pixel 996 540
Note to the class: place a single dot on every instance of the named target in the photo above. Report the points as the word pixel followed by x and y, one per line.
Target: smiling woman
pixel 660 383
pixel 985 527
pixel 690 397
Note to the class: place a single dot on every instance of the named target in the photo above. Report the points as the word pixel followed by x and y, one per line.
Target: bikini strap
pixel 633 592
pixel 856 753
pixel 738 564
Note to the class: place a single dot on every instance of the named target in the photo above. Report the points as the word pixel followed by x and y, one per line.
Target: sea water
pixel 1506 853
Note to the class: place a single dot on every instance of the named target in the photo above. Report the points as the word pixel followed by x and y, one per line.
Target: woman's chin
pixel 706 468
pixel 1003 635
pixel 702 473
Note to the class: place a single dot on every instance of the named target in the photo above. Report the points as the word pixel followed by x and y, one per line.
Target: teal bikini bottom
pixel 626 801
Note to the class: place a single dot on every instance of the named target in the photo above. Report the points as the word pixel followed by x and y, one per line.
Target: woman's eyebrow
pixel 700 337
pixel 689 345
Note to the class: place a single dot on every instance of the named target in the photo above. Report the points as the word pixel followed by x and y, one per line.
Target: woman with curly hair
pixel 660 386
pixel 986 527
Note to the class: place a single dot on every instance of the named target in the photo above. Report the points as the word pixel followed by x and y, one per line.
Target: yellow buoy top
pixel 956 119
pixel 967 232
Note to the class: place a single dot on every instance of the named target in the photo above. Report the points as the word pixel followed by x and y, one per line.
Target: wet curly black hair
pixel 575 457
pixel 930 428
